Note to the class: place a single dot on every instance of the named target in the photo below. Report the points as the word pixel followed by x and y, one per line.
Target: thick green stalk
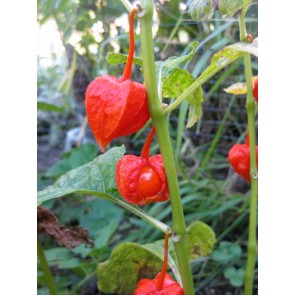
pixel 46 270
pixel 250 106
pixel 160 122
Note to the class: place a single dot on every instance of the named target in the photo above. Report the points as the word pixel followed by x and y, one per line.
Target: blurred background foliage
pixel 74 39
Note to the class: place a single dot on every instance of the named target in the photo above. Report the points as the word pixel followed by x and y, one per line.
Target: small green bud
pixel 202 9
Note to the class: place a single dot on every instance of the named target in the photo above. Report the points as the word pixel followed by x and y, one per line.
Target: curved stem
pixel 128 68
pixel 146 148
pixel 160 122
pixel 250 106
pixel 45 268
pixel 160 282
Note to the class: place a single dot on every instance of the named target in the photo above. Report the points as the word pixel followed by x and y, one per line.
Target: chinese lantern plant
pixel 118 107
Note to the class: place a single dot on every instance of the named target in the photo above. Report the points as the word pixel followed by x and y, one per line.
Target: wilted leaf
pixel 69 237
pixel 128 263
pixel 201 239
pixel 237 88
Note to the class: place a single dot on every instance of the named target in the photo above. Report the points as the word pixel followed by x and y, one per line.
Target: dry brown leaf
pixel 69 237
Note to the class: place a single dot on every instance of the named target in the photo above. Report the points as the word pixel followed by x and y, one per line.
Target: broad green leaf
pixel 230 8
pixel 235 276
pixel 96 178
pixel 119 58
pixel 49 107
pixel 226 252
pixel 175 84
pixel 202 9
pixel 251 48
pixel 73 159
pixel 201 239
pixel 128 263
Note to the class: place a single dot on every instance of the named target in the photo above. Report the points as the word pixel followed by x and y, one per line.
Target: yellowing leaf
pixel 238 88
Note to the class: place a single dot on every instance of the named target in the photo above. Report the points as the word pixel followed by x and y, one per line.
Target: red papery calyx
pixel 142 180
pixel 117 107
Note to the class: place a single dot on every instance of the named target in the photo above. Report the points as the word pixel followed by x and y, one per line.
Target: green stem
pixel 250 106
pixel 127 4
pixel 207 74
pixel 46 270
pixel 160 122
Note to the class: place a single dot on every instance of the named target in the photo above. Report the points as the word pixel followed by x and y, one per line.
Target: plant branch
pixel 46 270
pixel 127 5
pixel 250 106
pixel 160 122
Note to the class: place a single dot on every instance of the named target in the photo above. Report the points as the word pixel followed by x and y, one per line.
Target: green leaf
pixel 202 9
pixel 49 107
pixel 70 263
pixel 73 159
pixel 128 263
pixel 101 218
pixel 201 239
pixel 119 58
pixel 56 255
pixel 165 68
pixel 227 252
pixel 195 109
pixel 235 276
pixel 175 84
pixel 251 48
pixel 230 8
pixel 96 177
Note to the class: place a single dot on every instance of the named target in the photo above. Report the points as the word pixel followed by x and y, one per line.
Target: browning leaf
pixel 69 237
